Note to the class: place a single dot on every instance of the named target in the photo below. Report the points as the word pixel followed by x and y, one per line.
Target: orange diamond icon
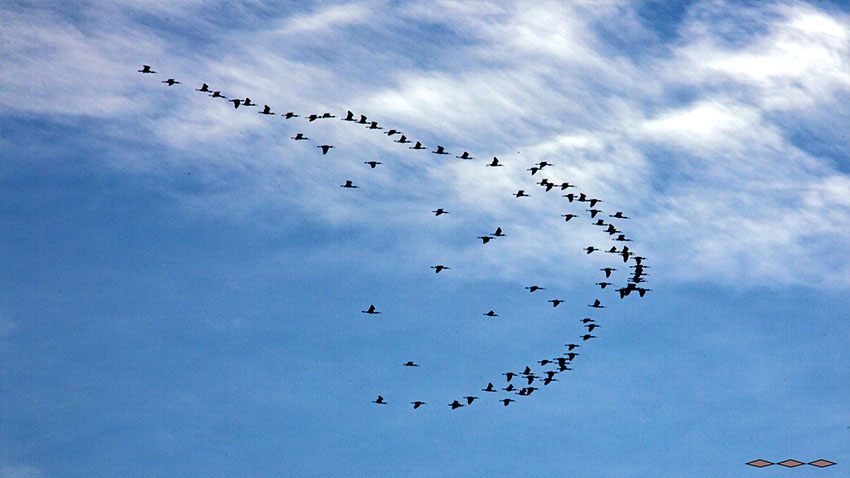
pixel 759 463
pixel 821 463
pixel 791 463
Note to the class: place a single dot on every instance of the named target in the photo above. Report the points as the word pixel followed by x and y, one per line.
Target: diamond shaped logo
pixel 821 463
pixel 759 463
pixel 791 463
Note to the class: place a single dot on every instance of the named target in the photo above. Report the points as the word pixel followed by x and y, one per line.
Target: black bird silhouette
pixel 544 362
pixel 613 250
pixel 217 94
pixel 325 148
pixel 379 401
pixel 593 212
pixel 510 375
pixel 489 388
pixel 603 284
pixel 455 404
pixel 266 110
pixel 611 229
pixel 327 116
pixel 569 196
pixel 506 401
pixel 410 364
pixel 600 222
pixel 622 237
pixel 374 125
pixel 417 404
pixel 509 388
pixel 470 399
pixel 491 314
pixel 556 302
pixel 548 380
pixel 587 320
pixel 392 132
pixel 236 102
pixel 566 185
pixel 533 288
pixel 530 377
pixel 521 194
pixel 371 310
pixel 362 120
pixel 439 150
pixel 418 145
pixel 590 327
pixel 498 232
pixel 572 346
pixel 546 184
pixel 597 305
pixel 440 211
pixel 594 201
pixel 349 116
pixel 533 170
pixel 618 215
pixel 527 370
pixel 312 118
pixel 567 217
pixel 205 88
pixel 607 271
pixel 543 164
pixel 437 269
pixel 403 139
pixel 348 184
pixel 372 163
pixel 587 337
pixel 171 82
pixel 146 69
pixel 299 137
pixel 289 115
pixel 494 163
pixel 642 291
pixel 485 239
pixel 247 102
pixel 590 249
pixel 465 155
pixel 572 355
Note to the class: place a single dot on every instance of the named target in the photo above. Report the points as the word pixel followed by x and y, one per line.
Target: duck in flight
pixel 410 364
pixel 439 268
pixel 372 163
pixel 485 239
pixel 590 327
pixel 489 388
pixel 403 139
pixel 440 211
pixel 556 302
pixel 494 163
pixel 534 288
pixel 171 82
pixel 349 116
pixel 392 132
pixel 236 102
pixel 325 148
pixel 465 155
pixel 289 115
pixel 374 125
pixel 455 405
pixel 417 404
pixel 603 284
pixel 370 310
pixel 146 69
pixel 593 212
pixel 217 94
pixel 205 88
pixel 607 271
pixel 348 184
pixel 247 102
pixel 567 217
pixel 506 401
pixel 521 194
pixel 572 346
pixel 618 215
pixel 266 110
pixel 590 249
pixel 498 232
pixel 470 399
pixel 587 337
pixel 379 401
pixel 596 304
pixel 418 145
pixel 491 314
pixel 299 137
pixel 439 150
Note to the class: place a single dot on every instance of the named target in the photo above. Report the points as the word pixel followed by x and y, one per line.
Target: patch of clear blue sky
pixel 151 341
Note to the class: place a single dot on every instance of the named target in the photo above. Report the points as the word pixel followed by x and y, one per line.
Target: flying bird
pixel 521 194
pixel 440 211
pixel 348 184
pixel 509 388
pixel 379 401
pixel 266 110
pixel 506 401
pixel 470 399
pixel 146 69
pixel 587 337
pixel 236 102
pixel 418 145
pixel 362 120
pixel 489 388
pixel 603 284
pixel 465 155
pixel 417 404
pixel 325 148
pixel 618 215
pixel 567 217
pixel 556 302
pixel 566 185
pixel 374 125
pixel 299 137
pixel 392 132
pixel 171 82
pixel 372 163
pixel 217 94
pixel 498 232
pixel 533 170
pixel 289 115
pixel 510 375
pixel 534 288
pixel 494 163
pixel 439 150
pixel 205 88
pixel 247 102
pixel 312 118
pixel 410 364
pixel 593 212
pixel 590 249
pixel 437 269
pixel 485 239
pixel 607 271
pixel 572 346
pixel 455 404
pixel 590 327
pixel 403 139
pixel 371 310
pixel 349 116
pixel 491 314
pixel 327 116
pixel 597 305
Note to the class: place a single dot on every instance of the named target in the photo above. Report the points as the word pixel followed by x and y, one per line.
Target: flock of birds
pixel 552 367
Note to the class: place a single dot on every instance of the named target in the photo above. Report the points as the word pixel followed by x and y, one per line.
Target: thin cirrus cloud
pixel 691 143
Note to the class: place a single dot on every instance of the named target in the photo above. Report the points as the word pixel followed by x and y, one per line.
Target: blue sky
pixel 182 283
